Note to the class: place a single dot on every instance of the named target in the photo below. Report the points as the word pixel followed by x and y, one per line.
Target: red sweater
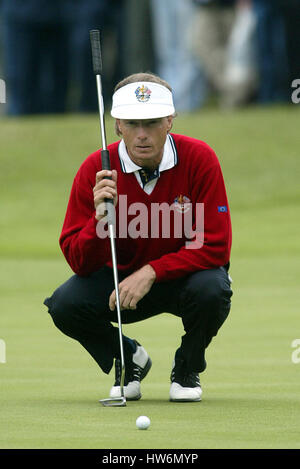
pixel 197 176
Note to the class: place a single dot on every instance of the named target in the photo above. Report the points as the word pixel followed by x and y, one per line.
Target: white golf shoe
pixel 135 371
pixel 185 385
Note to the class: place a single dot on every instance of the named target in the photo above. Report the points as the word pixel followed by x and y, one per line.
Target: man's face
pixel 145 139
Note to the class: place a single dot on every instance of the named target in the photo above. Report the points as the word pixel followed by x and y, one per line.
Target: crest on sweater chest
pixel 182 203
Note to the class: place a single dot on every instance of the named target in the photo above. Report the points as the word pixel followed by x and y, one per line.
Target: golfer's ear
pixel 117 127
pixel 170 122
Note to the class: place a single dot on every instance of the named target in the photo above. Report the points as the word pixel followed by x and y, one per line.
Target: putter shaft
pixel 110 209
pixel 101 111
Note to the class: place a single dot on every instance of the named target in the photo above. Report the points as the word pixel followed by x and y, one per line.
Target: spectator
pixel 272 18
pixel 35 49
pixel 106 15
pixel 137 39
pixel 175 62
pixel 291 13
pixel 223 41
pixel 272 54
pixel 240 79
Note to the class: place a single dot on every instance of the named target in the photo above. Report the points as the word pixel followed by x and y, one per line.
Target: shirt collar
pixel 168 161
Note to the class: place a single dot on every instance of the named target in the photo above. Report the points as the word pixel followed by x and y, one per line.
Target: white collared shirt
pixel 168 161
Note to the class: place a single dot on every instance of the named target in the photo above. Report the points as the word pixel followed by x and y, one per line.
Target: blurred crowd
pixel 233 52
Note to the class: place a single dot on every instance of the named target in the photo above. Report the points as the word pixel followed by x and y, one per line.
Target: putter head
pixel 114 401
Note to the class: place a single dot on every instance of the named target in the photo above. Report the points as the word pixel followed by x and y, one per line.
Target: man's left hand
pixel 133 288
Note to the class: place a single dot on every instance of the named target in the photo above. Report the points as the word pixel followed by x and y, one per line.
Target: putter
pixel 110 210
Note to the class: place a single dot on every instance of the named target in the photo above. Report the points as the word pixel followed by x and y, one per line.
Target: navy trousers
pixel 79 308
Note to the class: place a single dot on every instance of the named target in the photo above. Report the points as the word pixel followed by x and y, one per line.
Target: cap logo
pixel 143 94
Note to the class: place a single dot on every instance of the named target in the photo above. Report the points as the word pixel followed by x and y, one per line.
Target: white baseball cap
pixel 142 100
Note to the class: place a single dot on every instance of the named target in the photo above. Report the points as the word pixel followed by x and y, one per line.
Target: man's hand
pixel 133 288
pixel 104 189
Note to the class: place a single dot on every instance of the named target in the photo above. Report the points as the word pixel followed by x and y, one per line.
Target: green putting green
pixel 50 387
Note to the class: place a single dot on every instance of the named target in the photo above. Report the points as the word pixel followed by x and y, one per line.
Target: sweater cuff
pixel 160 272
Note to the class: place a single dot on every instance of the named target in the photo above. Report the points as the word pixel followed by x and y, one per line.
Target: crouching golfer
pixel 173 240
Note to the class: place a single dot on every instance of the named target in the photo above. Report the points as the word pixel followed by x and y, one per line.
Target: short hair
pixel 141 76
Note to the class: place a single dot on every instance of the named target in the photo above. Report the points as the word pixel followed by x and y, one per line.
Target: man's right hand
pixel 104 189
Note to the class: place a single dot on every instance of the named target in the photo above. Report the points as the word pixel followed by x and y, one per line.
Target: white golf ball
pixel 142 422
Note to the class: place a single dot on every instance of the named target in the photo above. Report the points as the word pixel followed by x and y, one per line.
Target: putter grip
pixel 105 160
pixel 109 204
pixel 96 51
